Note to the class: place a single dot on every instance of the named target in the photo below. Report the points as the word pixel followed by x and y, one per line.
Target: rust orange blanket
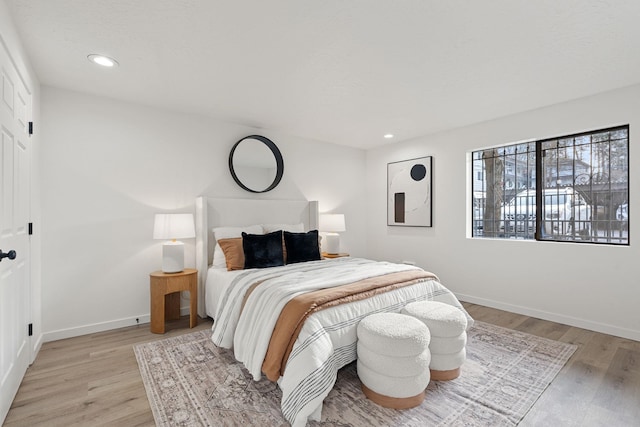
pixel 299 308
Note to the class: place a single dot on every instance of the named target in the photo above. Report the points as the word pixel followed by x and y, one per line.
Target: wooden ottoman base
pixel 393 402
pixel 445 375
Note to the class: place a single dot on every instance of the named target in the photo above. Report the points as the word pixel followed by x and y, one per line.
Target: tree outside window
pixel 581 180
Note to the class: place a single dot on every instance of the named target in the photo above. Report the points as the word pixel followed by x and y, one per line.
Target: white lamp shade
pixel 174 226
pixel 332 223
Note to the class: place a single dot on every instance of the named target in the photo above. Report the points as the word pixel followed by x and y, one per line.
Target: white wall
pixel 108 166
pixel 587 285
pixel 9 37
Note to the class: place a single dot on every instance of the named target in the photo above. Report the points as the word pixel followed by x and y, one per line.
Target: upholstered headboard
pixel 216 212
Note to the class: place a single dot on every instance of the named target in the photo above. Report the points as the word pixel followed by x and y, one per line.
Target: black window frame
pixel 581 229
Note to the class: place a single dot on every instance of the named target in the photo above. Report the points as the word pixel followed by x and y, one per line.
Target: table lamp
pixel 332 224
pixel 172 227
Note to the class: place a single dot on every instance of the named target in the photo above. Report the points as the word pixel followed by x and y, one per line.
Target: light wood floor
pixel 94 380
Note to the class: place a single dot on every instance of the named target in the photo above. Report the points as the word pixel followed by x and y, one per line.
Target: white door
pixel 15 156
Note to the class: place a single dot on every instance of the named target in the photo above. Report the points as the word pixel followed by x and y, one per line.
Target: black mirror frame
pixel 276 153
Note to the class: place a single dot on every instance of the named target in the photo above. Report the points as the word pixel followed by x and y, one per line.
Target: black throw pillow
pixel 262 250
pixel 302 247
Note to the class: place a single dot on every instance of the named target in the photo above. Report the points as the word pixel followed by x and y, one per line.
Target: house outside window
pixel 582 181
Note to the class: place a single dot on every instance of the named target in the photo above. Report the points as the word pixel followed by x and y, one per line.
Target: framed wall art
pixel 409 192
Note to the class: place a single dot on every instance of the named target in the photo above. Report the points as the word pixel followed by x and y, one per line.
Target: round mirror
pixel 256 164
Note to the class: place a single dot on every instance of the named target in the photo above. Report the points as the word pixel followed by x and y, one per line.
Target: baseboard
pixel 36 348
pixel 527 311
pixel 77 331
pixel 554 317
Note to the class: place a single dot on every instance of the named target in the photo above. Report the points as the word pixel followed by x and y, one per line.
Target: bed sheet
pixel 217 281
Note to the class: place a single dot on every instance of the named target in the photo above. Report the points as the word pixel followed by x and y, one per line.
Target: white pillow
pixel 219 260
pixel 291 228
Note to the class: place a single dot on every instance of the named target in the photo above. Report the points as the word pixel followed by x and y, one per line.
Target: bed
pixel 303 352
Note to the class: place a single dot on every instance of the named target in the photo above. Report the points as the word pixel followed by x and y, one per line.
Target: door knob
pixel 10 255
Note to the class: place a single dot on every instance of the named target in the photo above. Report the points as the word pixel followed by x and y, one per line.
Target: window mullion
pixel 539 180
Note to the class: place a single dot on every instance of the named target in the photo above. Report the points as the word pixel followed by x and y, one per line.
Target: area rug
pixel 191 382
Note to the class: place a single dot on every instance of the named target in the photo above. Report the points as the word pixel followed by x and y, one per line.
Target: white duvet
pixel 327 340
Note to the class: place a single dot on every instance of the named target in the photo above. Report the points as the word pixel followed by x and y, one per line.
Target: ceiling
pixel 341 71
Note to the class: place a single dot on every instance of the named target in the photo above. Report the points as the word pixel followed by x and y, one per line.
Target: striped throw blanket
pixel 327 340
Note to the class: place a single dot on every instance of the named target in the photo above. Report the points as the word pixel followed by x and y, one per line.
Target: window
pixel 581 180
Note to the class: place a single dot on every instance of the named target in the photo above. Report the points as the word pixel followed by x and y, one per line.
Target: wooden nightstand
pixel 165 297
pixel 340 255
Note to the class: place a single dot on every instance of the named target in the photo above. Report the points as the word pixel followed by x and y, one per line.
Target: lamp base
pixel 332 243
pixel 172 257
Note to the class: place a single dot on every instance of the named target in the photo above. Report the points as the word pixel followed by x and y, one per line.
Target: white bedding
pixel 327 340
pixel 217 281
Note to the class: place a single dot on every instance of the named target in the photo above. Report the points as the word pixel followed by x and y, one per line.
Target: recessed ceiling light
pixel 105 61
pixel 388 135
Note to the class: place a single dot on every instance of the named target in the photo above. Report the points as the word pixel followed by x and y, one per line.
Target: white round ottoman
pixel 393 359
pixel 447 325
